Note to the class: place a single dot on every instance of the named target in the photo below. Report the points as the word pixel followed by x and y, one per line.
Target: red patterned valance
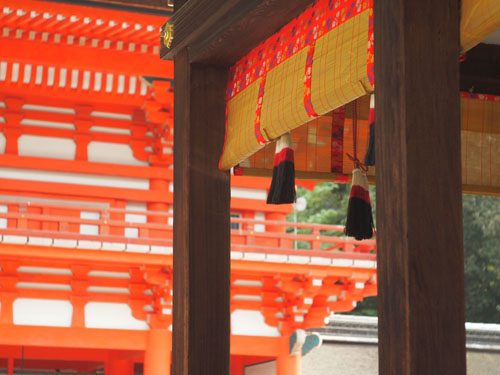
pixel 320 61
pixel 302 32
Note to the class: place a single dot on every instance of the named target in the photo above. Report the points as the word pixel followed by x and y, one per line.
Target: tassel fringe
pixel 282 190
pixel 359 222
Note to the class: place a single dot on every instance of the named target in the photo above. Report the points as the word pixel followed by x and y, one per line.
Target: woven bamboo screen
pixel 480 140
pixel 480 18
pixel 318 62
pixel 311 72
pixel 316 142
pixel 321 146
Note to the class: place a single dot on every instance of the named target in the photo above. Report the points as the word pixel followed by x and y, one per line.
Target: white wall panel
pixel 2 143
pixel 251 323
pixel 114 153
pixel 46 147
pixel 42 312
pixel 240 192
pixel 111 315
pixel 74 178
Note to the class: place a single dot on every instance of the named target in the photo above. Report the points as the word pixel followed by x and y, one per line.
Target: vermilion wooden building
pixel 86 210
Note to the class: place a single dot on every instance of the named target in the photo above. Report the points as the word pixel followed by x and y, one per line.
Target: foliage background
pixel 327 204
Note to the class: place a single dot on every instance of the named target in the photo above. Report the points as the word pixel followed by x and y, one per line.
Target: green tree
pixel 327 204
pixel 482 258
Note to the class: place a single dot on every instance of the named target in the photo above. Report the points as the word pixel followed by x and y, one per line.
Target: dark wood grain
pixel 201 317
pixel 178 4
pixel 419 211
pixel 480 72
pixel 230 31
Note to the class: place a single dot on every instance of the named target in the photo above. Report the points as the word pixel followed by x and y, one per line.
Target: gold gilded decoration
pixel 168 34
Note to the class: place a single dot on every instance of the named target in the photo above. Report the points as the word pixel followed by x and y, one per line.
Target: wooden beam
pixel 201 317
pixel 419 211
pixel 222 31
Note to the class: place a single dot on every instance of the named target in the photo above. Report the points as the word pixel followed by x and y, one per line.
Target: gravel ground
pixel 361 359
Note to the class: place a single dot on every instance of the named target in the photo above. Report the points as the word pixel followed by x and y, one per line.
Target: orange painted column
pixel 158 355
pixel 237 366
pixel 285 363
pixel 161 185
pixel 10 366
pixel 277 216
pixel 115 366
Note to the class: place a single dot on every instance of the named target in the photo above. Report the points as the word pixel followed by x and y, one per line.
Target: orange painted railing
pixel 100 223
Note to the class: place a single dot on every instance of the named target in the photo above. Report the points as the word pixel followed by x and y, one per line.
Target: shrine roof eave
pixel 217 31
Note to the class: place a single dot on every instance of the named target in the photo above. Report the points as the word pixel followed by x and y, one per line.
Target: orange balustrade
pixel 37 218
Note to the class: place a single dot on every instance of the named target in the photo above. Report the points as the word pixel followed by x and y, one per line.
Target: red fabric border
pixel 307 83
pixel 337 145
pixel 314 22
pixel 486 97
pixel 258 110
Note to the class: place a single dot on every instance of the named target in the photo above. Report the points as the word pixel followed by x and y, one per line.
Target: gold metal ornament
pixel 168 34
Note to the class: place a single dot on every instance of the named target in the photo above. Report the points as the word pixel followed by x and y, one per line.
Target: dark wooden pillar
pixel 419 205
pixel 201 318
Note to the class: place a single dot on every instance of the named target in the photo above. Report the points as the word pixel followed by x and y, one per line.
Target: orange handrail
pixel 63 221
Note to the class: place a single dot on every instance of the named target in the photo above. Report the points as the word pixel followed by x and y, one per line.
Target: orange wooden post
pixel 278 216
pixel 237 366
pixel 287 364
pixel 10 366
pixel 316 243
pixel 116 366
pixel 157 358
pixel 159 185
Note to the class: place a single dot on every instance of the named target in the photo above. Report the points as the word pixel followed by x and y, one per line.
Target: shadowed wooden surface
pixel 480 72
pixel 223 31
pixel 419 204
pixel 201 223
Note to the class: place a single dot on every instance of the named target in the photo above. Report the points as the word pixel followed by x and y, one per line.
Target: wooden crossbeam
pixel 221 32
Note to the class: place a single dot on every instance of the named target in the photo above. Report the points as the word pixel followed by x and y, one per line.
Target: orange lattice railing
pixel 39 221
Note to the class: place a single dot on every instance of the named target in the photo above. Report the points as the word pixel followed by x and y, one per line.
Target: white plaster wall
pixel 251 323
pixel 111 315
pixel 114 153
pixel 74 178
pixel 89 229
pixel 260 227
pixel 248 193
pixel 42 312
pixel 135 218
pixel 2 143
pixel 46 147
pixel 3 221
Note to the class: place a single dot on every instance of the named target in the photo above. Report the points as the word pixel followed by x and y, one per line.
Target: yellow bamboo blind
pixel 480 134
pixel 339 73
pixel 480 18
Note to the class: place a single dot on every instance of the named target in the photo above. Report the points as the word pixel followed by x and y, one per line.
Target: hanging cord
pixel 357 163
